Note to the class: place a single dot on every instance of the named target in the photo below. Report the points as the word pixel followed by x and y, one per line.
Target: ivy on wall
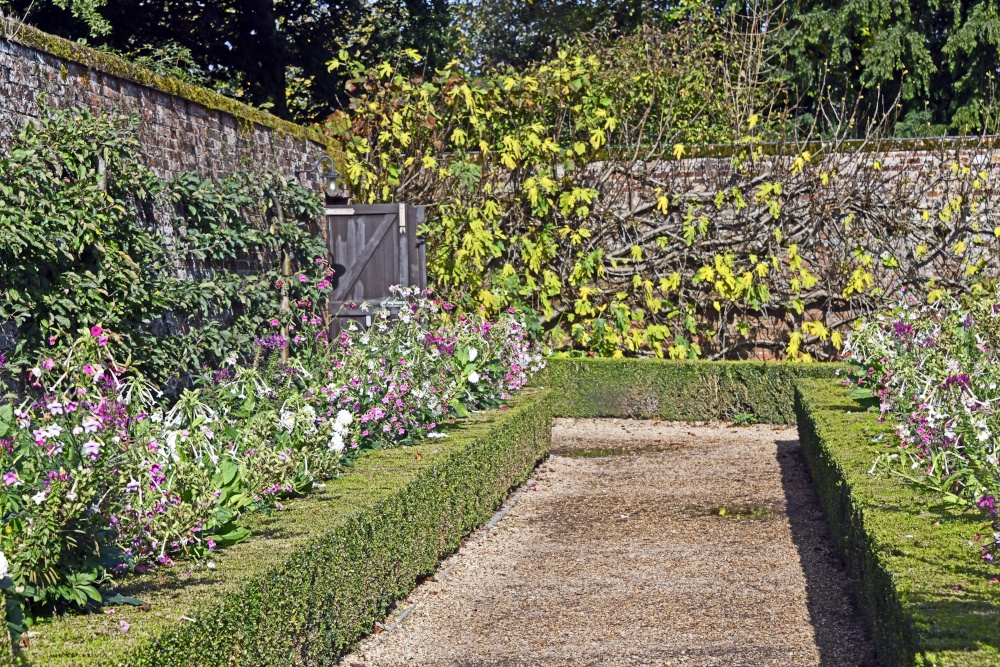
pixel 82 243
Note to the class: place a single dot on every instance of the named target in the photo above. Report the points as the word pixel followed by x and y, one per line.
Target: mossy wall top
pixel 181 127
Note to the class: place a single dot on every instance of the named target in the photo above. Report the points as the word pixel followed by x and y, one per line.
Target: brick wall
pixel 213 136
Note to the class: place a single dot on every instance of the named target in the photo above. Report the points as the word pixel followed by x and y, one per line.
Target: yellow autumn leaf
pixel 663 205
pixel 678 151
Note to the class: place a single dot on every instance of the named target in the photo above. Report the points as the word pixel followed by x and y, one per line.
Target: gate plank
pixel 354 272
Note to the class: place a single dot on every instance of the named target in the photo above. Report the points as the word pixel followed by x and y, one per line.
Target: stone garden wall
pixel 182 127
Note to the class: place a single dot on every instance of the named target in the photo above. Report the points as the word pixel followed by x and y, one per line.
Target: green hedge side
pixel 314 578
pixel 678 390
pixel 922 586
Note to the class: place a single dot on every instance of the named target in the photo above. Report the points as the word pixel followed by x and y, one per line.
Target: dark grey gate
pixel 372 248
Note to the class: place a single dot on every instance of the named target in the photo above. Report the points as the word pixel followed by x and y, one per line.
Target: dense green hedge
pixel 922 586
pixel 315 578
pixel 678 390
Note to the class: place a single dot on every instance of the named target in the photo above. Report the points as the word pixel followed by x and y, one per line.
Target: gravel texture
pixel 641 543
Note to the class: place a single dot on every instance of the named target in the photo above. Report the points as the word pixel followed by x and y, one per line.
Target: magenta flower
pixel 96 331
pixel 11 479
pixel 49 364
pixel 275 323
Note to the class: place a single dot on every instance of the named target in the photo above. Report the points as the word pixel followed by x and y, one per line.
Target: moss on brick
pixel 121 68
pixel 907 554
pixel 315 578
pixel 678 390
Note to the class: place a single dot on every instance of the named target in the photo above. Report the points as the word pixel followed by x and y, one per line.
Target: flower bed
pixel 101 478
pixel 928 596
pixel 316 576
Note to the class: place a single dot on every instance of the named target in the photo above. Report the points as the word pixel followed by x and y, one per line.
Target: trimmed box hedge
pixel 921 584
pixel 314 578
pixel 678 390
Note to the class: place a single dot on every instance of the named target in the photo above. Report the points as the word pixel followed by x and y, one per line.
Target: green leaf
pixel 6 419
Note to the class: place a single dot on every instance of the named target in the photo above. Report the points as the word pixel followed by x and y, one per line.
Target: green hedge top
pixel 924 586
pixel 117 66
pixel 312 579
pixel 678 390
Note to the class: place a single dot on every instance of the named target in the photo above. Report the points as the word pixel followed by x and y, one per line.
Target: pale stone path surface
pixel 619 552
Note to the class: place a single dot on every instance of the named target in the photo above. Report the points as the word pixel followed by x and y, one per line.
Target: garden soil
pixel 641 543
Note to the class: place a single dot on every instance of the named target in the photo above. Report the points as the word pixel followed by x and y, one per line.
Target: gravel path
pixel 641 543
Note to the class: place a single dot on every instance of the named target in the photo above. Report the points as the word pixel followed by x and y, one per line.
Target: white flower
pixel 77 430
pixel 55 408
pixel 337 443
pixel 435 434
pixel 231 360
pixel 473 377
pixel 3 565
pixel 286 420
pixel 344 418
pixel 91 448
pixel 473 353
pixel 39 497
pixel 36 371
pixel 71 496
pixel 90 424
pixel 156 417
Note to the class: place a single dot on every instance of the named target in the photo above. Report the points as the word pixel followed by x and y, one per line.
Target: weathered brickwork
pixel 178 135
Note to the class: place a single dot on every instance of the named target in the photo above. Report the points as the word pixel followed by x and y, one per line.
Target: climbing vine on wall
pixel 180 271
pixel 568 191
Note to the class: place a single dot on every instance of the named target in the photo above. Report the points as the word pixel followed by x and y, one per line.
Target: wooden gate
pixel 372 248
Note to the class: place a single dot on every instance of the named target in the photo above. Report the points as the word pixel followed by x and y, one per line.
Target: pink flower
pixel 11 479
pixel 275 322
pixel 49 364
pixel 102 341
pixel 302 279
pixel 125 626
pixel 88 369
pixel 96 331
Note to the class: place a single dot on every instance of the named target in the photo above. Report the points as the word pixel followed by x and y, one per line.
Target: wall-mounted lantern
pixel 333 188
